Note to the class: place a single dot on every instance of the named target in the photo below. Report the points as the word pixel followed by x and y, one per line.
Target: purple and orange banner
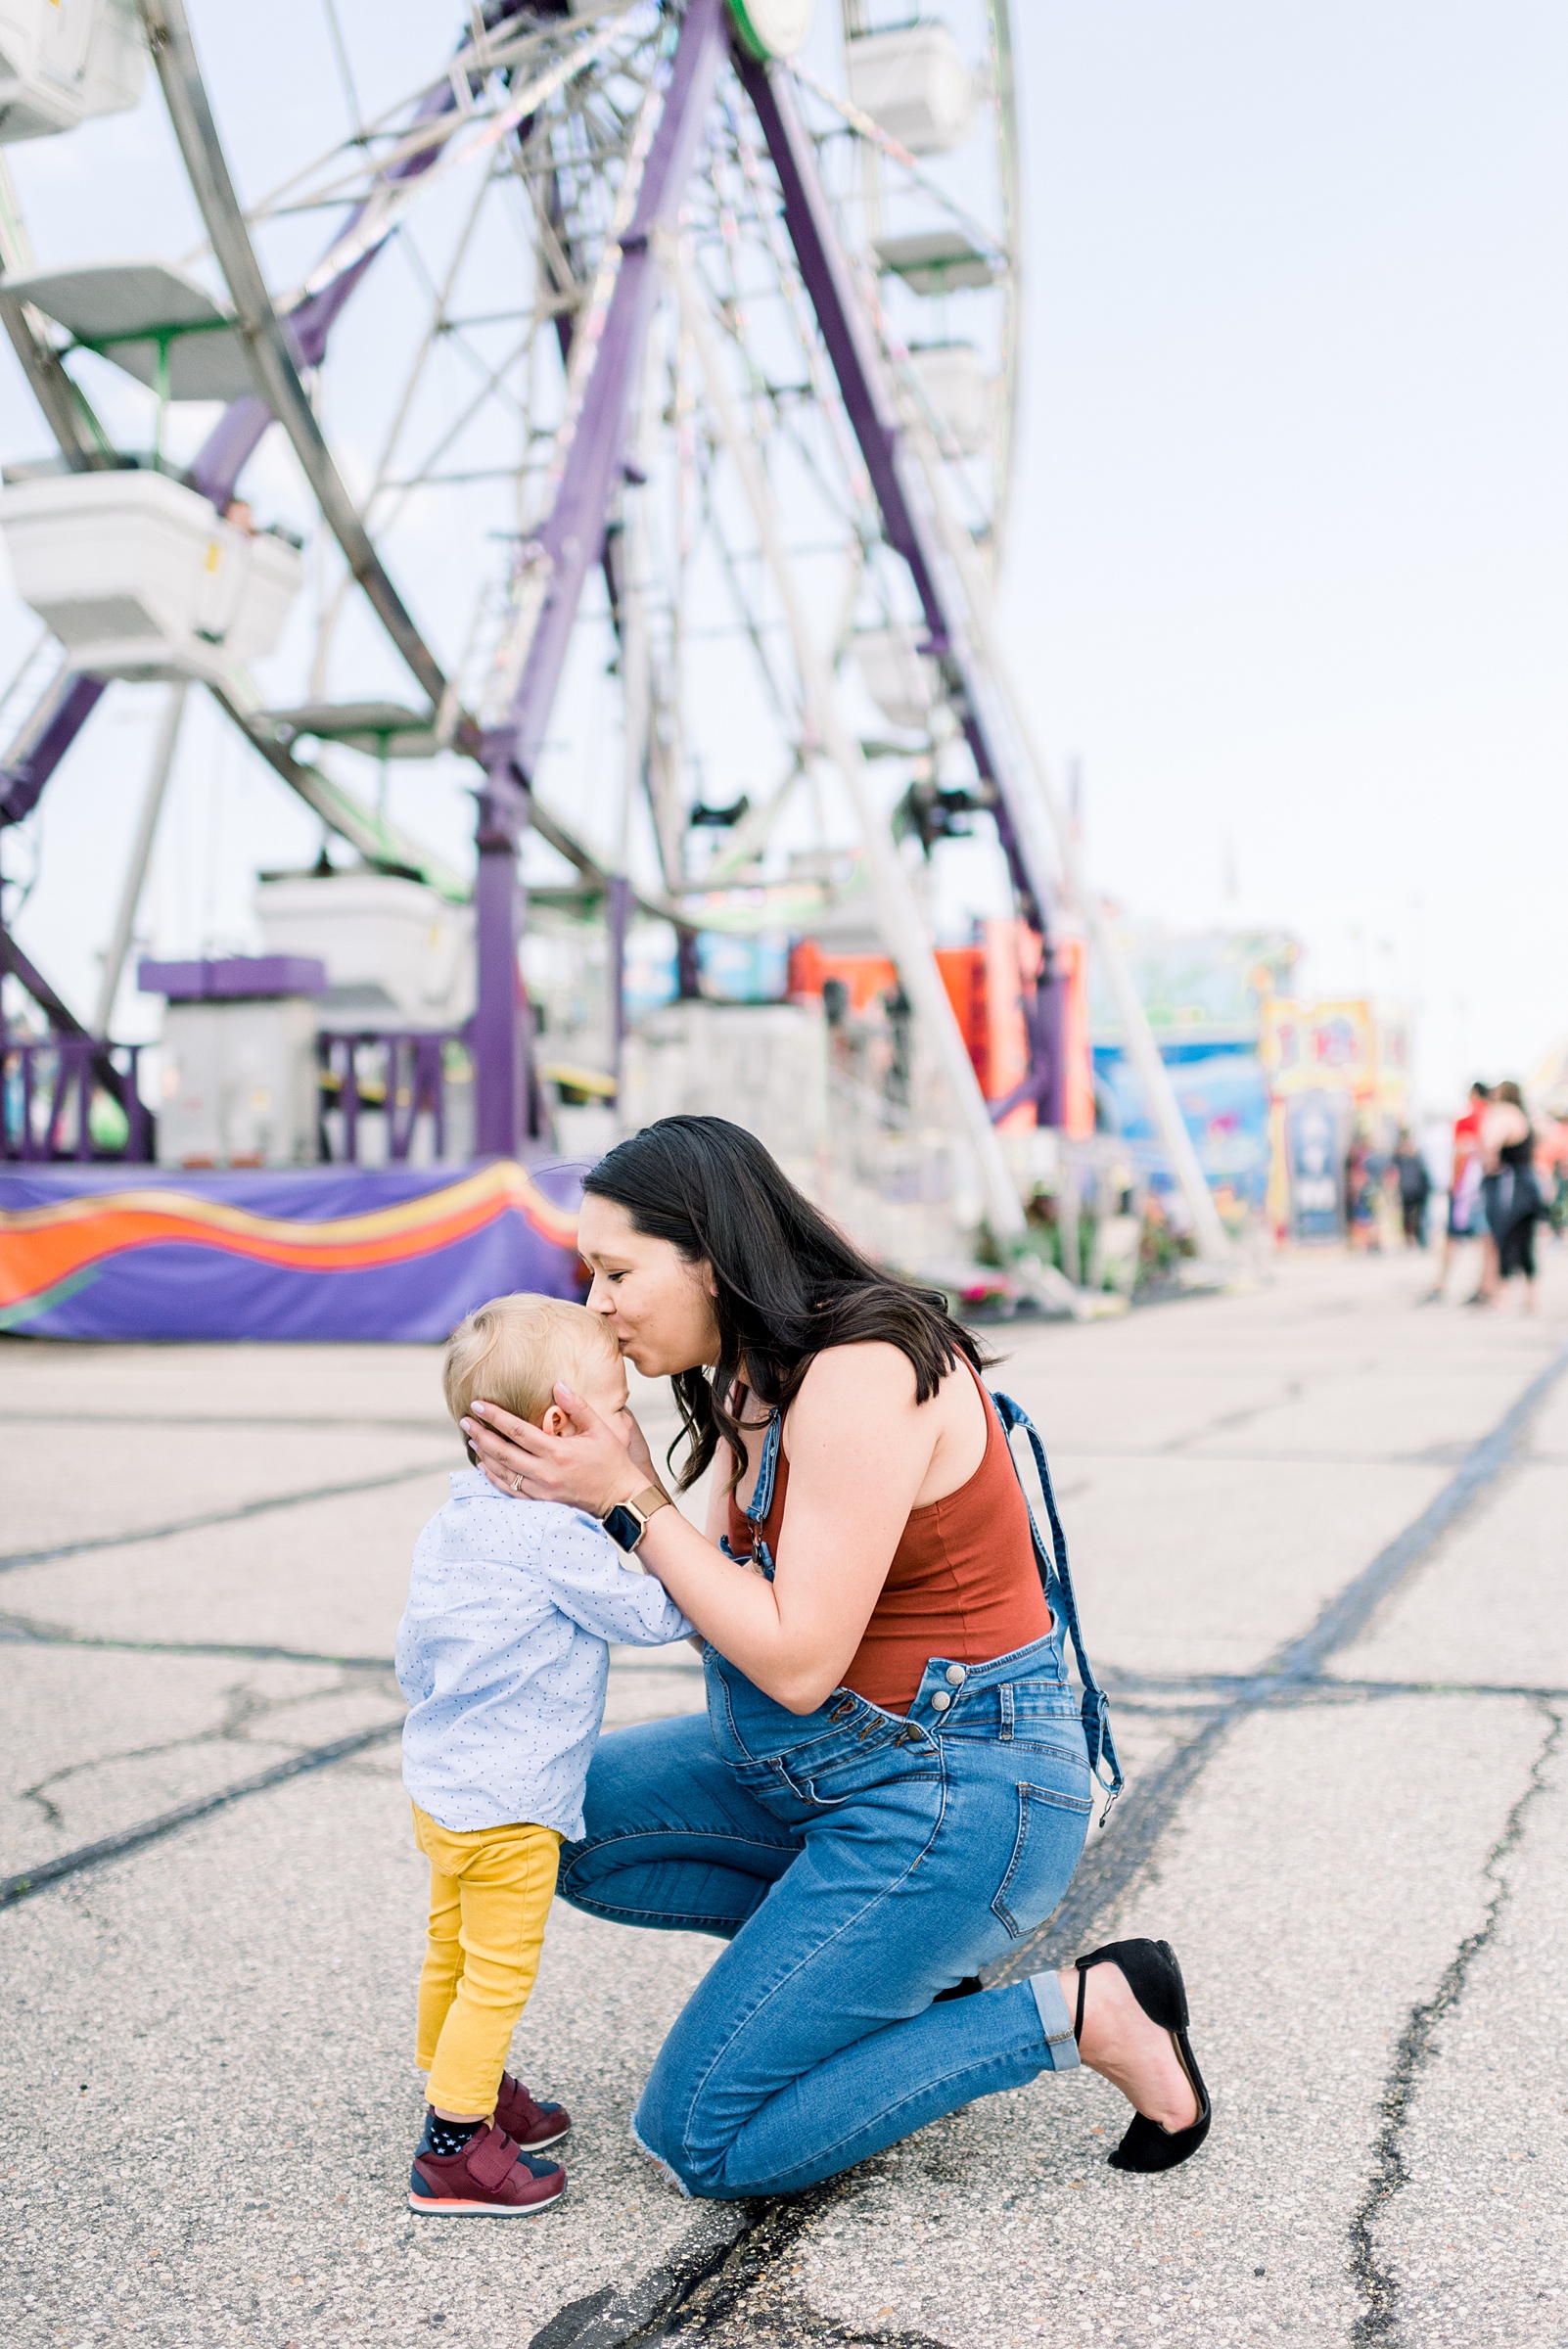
pixel 387 1253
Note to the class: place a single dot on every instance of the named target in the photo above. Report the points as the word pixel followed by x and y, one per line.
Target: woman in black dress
pixel 1510 1191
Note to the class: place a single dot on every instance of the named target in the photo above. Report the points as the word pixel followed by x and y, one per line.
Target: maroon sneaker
pixel 527 2123
pixel 488 2178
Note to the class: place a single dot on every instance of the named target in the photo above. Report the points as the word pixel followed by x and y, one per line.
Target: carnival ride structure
pixel 704 343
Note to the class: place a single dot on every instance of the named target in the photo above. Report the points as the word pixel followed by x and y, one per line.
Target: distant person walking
pixel 1465 1220
pixel 1361 1198
pixel 1510 1195
pixel 1414 1180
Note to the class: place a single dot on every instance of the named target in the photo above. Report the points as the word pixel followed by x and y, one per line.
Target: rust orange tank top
pixel 962 1583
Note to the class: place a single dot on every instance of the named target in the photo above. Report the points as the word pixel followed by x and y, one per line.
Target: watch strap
pixel 627 1521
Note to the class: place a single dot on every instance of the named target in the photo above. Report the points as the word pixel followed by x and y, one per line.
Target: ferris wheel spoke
pixel 440 298
pixel 538 562
pixel 901 926
pixel 197 134
pixel 391 200
pixel 388 143
pixel 792 292
pixel 786 706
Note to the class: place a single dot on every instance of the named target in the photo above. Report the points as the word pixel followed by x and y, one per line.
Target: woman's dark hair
pixel 789 1284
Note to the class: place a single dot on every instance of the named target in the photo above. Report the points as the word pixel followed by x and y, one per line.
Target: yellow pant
pixel 490 1890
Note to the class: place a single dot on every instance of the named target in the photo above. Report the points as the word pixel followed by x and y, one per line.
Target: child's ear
pixel 554 1422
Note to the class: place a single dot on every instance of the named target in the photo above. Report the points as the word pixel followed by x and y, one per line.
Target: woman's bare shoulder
pixel 872 1375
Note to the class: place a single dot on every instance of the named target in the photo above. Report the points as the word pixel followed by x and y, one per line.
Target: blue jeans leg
pixel 671 1840
pixel 866 2097
pixel 812 2042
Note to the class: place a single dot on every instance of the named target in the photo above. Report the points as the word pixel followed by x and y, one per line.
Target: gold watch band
pixel 650 1498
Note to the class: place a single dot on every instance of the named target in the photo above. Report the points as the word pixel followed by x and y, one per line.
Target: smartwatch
pixel 627 1521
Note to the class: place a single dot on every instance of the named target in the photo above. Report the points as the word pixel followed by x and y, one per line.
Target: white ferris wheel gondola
pixel 62 60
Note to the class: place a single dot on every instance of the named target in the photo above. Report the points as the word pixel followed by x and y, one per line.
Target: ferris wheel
pixel 658 354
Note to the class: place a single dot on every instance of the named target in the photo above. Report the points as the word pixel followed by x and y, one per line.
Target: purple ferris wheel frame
pixel 572 540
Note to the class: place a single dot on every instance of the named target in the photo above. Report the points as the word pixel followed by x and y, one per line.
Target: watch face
pixel 623 1525
pixel 772 27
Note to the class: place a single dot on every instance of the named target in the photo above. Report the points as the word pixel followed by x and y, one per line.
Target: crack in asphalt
pixel 25 1631
pixel 1228 1421
pixel 1110 1865
pixel 725 2309
pixel 11 1559
pixel 31 1630
pixel 1129 1688
pixel 245 1709
pixel 176 1422
pixel 28 1881
pixel 1376 2278
pixel 1125 1686
pixel 709 2288
pixel 240 1706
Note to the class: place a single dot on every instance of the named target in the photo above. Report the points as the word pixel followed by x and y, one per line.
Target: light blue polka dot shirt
pixel 502 1655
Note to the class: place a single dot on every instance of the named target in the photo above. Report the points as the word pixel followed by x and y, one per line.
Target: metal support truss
pixel 570 544
pixel 898 914
pixel 228 447
pixel 958 625
pixel 907 522
pixel 281 347
pixel 272 353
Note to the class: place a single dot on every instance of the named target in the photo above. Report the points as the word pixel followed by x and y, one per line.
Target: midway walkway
pixel 1318 1535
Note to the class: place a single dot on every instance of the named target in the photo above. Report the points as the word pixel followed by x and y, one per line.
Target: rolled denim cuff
pixel 1055 2022
pixel 658 2159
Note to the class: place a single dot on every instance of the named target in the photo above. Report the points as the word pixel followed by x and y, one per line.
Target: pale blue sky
pixel 1290 560
pixel 1287 564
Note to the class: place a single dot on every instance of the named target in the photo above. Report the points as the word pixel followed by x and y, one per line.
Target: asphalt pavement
pixel 1318 1535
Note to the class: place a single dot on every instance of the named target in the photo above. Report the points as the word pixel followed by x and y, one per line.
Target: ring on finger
pixel 517 1480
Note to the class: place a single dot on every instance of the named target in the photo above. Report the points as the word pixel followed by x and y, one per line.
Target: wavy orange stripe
pixel 40 1246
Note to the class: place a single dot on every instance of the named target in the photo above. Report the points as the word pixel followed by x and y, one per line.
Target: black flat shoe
pixel 1153 1976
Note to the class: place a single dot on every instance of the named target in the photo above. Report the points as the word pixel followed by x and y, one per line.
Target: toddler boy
pixel 502 1656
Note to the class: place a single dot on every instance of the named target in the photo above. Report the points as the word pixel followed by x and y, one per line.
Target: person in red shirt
pixel 1465 1220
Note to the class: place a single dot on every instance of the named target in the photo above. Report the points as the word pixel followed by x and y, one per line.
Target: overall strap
pixel 762 1500
pixel 1057 1581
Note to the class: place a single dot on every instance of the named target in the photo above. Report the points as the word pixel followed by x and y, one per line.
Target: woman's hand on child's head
pixel 585 1467
pixel 642 1457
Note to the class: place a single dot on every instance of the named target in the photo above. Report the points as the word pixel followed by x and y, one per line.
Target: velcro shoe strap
pixel 493 2159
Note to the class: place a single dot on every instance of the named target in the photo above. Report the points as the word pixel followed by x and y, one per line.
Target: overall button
pixel 956 1675
pixel 941 1700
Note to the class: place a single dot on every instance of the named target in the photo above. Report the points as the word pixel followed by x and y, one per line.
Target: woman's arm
pixel 859 1448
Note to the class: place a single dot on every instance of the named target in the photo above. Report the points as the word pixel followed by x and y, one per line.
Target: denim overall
pixel 858 1863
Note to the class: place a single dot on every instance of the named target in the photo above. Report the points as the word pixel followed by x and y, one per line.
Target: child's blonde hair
pixel 513 1350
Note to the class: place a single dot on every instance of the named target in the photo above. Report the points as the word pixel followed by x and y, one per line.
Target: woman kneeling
pixel 891 1787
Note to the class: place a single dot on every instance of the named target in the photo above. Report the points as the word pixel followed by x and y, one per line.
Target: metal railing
pixel 71 1097
pixel 392 1079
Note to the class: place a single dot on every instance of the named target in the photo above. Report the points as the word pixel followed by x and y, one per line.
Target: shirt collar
pixel 470 1484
